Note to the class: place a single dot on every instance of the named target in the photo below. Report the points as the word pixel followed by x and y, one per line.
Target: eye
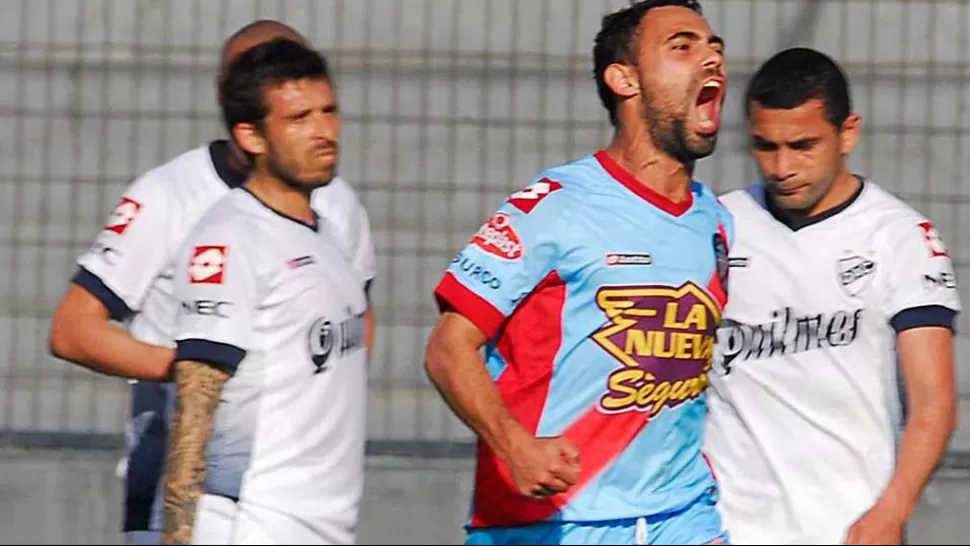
pixel 682 46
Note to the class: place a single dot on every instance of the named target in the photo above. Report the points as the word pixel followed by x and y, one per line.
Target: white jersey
pixel 130 269
pixel 804 399
pixel 271 300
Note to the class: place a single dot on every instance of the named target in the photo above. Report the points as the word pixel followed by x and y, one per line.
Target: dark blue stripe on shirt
pixel 220 355
pixel 92 283
pixel 925 316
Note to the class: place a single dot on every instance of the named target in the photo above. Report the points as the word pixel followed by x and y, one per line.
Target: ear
pixel 249 138
pixel 849 133
pixel 622 80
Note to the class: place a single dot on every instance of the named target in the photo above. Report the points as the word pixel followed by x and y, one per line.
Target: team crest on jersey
pixel 664 337
pixel 933 240
pixel 855 274
pixel 528 198
pixel 723 264
pixel 122 215
pixel 499 238
pixel 208 264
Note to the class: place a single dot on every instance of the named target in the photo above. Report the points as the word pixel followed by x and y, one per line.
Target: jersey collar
pixel 655 198
pixel 796 224
pixel 219 153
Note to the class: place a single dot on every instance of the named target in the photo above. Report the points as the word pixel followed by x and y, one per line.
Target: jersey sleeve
pixel 922 288
pixel 507 258
pixel 362 249
pixel 216 288
pixel 129 252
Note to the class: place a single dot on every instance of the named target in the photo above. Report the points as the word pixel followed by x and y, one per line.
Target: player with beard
pixel 266 443
pixel 596 292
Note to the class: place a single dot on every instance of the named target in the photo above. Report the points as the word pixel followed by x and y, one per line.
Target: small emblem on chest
pixel 855 274
pixel 628 258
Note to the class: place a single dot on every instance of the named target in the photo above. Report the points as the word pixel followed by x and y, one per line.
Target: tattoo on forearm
pixel 198 389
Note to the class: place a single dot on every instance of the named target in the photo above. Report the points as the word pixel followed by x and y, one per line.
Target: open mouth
pixel 709 105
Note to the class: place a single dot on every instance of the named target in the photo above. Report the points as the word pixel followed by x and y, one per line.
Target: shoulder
pixel 232 217
pixel 555 190
pixel 336 194
pixel 170 180
pixel 897 222
pixel 751 196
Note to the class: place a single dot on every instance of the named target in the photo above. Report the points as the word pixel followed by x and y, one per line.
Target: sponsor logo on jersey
pixel 106 252
pixel 122 215
pixel 498 237
pixel 628 258
pixel 326 338
pixel 207 308
pixel 943 279
pixel 855 274
pixel 528 198
pixel 476 272
pixel 739 261
pixel 664 337
pixel 786 334
pixel 296 263
pixel 208 264
pixel 933 240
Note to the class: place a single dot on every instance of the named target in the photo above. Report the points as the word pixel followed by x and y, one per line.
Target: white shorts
pixel 220 520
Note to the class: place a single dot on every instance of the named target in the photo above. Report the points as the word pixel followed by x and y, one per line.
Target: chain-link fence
pixel 448 105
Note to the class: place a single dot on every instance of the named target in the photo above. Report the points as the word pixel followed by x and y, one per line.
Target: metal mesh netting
pixel 447 107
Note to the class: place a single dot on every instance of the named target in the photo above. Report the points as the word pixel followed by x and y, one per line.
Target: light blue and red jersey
pixel 601 299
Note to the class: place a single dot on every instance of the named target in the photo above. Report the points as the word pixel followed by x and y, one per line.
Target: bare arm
pixel 370 327
pixel 81 332
pixel 198 389
pixel 928 371
pixel 455 366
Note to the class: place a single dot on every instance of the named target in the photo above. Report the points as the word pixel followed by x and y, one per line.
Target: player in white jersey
pixel 126 276
pixel 831 277
pixel 267 437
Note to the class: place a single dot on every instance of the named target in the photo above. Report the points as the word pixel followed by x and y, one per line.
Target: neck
pixel 651 167
pixel 281 197
pixel 237 159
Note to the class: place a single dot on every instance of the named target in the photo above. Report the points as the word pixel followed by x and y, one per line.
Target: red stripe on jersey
pixel 529 345
pixel 475 308
pixel 645 192
pixel 714 286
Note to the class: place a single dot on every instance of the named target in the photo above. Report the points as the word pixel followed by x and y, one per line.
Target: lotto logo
pixel 123 215
pixel 527 199
pixel 933 239
pixel 208 265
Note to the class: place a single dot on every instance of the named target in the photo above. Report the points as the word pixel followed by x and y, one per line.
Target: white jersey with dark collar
pixel 130 268
pixel 804 398
pixel 272 301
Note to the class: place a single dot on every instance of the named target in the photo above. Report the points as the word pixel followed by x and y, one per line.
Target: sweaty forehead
pixel 804 121
pixel 296 95
pixel 659 24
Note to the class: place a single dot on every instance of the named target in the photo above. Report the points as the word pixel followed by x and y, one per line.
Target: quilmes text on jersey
pixel 787 333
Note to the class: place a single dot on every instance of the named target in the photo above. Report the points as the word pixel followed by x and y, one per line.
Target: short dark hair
pixel 797 75
pixel 242 91
pixel 616 42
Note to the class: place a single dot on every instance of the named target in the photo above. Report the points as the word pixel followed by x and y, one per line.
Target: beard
pixel 289 175
pixel 667 126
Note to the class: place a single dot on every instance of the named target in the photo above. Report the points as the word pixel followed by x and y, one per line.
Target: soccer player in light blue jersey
pixel 595 293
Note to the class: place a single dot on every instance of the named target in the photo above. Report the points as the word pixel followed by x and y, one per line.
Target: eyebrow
pixel 689 35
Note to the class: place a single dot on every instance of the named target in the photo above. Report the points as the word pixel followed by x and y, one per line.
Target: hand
pixel 882 524
pixel 542 467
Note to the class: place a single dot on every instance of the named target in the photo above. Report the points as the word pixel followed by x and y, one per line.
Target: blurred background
pixel 447 106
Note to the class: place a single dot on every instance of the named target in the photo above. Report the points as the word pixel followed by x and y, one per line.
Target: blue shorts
pixel 698 524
